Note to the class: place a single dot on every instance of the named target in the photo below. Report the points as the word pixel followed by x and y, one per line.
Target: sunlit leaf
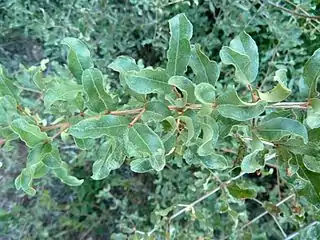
pixel 79 58
pixel 97 127
pixel 207 71
pixel 311 73
pixel 231 106
pixel 279 92
pixel 243 55
pixel 29 133
pixel 98 99
pixel 279 127
pixel 205 93
pixel 179 45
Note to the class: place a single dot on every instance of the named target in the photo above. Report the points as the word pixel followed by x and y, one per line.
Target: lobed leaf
pixel 186 87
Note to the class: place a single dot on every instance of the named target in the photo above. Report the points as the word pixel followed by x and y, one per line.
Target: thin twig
pixel 137 117
pixel 190 206
pixel 266 212
pixel 291 105
pixel 279 226
pixel 291 236
pixel 293 12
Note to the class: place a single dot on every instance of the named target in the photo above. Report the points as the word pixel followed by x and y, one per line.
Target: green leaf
pixel 26 178
pixel 148 80
pixel 310 191
pixel 243 55
pixel 279 127
pixel 186 87
pixel 147 142
pixel 7 87
pixel 215 162
pixel 97 127
pixel 98 99
pixel 279 92
pixel 8 110
pixel 210 137
pixel 84 143
pixel 189 125
pixel 311 163
pixel 29 133
pixel 179 51
pixel 206 71
pixel 253 161
pixel 205 93
pixel 110 157
pixel 62 174
pixel 140 165
pixel 240 193
pixel 156 110
pixel 313 114
pixel 67 91
pixel 311 73
pixel 79 58
pixel 231 106
pixel 37 154
pixel 123 64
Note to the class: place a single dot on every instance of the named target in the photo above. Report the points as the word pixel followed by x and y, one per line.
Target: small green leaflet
pixel 123 64
pixel 210 136
pixel 63 175
pixel 243 55
pixel 231 106
pixel 29 133
pixel 313 189
pixel 279 127
pixel 241 193
pixel 312 163
pixel 253 161
pixel 98 99
pixel 179 51
pixel 279 92
pixel 215 162
pixel 206 71
pixel 189 125
pixel 141 165
pixel 67 91
pixel 147 80
pixel 185 86
pixel 311 73
pixel 7 87
pixel 205 93
pixel 148 143
pixel 79 58
pixel 110 157
pixel 313 114
pixel 8 110
pixel 156 111
pixel 97 127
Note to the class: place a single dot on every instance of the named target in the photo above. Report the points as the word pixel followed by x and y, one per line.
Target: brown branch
pixel 293 12
pixel 137 117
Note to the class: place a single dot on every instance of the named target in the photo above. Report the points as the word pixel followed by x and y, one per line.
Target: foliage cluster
pixel 164 135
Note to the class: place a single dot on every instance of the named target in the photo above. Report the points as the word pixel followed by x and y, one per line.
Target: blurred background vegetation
pixel 113 208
